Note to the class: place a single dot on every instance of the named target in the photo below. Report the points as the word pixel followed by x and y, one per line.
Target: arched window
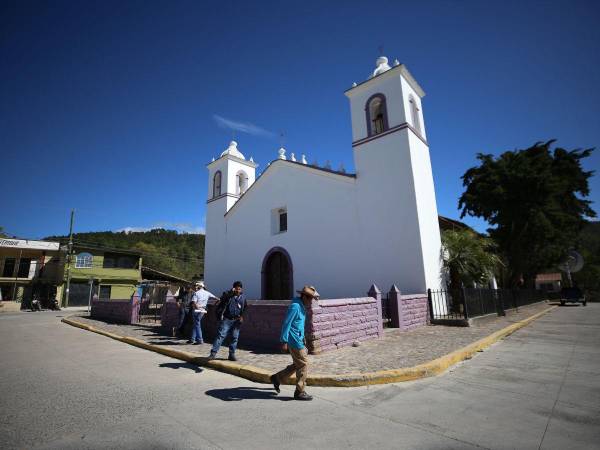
pixel 84 261
pixel 414 112
pixel 241 182
pixel 217 184
pixel 376 109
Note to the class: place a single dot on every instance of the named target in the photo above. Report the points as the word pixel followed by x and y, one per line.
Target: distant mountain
pixel 165 250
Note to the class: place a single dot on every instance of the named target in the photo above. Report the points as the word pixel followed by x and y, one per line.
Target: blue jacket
pixel 292 331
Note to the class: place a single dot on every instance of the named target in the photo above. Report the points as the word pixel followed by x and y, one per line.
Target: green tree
pixel 589 247
pixel 533 200
pixel 468 258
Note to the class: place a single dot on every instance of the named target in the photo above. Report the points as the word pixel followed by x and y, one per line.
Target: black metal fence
pixel 473 302
pixel 386 314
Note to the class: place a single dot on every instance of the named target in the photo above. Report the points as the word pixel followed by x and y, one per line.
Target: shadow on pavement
pixel 246 393
pixel 167 342
pixel 181 365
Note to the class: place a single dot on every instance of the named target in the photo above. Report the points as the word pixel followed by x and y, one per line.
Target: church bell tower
pixel 395 191
pixel 228 179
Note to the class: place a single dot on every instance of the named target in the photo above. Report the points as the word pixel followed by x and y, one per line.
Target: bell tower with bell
pixel 395 190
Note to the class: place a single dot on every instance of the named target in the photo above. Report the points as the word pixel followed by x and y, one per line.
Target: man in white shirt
pixel 198 308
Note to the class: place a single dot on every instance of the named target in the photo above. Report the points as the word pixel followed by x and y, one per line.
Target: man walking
pixel 198 309
pixel 292 339
pixel 230 312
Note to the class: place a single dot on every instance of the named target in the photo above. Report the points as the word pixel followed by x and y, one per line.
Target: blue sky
pixel 112 108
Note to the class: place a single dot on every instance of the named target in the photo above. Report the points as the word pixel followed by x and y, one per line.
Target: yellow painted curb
pixel 258 375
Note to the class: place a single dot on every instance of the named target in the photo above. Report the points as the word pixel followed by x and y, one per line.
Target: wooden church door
pixel 278 277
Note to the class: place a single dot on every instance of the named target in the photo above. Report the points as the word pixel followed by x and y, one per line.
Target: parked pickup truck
pixel 572 295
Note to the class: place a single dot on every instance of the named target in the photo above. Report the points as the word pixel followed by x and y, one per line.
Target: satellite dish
pixel 573 263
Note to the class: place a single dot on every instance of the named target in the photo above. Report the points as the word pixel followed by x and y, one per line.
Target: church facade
pixel 300 224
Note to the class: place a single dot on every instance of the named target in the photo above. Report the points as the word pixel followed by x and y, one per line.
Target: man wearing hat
pixel 198 309
pixel 292 340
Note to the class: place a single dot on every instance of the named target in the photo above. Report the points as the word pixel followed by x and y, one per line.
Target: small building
pixel 109 274
pixel 549 282
pixel 26 269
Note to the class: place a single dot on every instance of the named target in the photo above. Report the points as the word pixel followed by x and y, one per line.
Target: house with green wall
pixel 105 273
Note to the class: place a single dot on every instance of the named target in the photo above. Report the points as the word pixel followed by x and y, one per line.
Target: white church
pixel 300 224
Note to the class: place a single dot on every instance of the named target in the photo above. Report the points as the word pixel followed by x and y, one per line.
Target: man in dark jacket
pixel 230 313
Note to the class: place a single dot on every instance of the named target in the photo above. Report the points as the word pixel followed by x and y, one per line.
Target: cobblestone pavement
pixel 395 350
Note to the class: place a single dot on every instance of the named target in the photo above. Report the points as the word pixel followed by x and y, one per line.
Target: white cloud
pixel 242 127
pixel 179 227
pixel 132 229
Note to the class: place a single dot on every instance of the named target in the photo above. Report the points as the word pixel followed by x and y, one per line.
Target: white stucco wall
pixel 321 239
pixel 343 233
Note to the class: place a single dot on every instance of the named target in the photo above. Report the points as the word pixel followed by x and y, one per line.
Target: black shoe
pixel 197 343
pixel 212 356
pixel 302 396
pixel 189 341
pixel 276 383
pixel 232 357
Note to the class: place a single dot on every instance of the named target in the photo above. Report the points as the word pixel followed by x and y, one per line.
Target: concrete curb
pixel 256 374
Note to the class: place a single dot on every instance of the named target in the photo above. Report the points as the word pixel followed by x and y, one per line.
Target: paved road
pixel 61 387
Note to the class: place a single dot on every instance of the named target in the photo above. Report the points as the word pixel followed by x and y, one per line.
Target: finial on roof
pixel 354 84
pixel 328 165
pixel 396 62
pixel 292 157
pixel 251 159
pixel 342 169
pixel 382 66
pixel 233 151
pixel 303 160
pixel 213 159
pixel 282 153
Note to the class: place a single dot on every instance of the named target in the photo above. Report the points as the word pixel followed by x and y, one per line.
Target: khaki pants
pixel 299 365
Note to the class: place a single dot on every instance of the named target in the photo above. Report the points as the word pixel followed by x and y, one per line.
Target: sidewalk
pixel 396 350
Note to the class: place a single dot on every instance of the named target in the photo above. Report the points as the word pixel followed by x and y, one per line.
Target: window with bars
pixel 84 261
pixel 105 292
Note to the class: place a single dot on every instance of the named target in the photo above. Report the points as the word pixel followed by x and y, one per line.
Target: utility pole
pixel 69 258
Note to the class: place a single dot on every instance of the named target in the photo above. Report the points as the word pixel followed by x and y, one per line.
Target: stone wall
pixel 407 312
pixel 414 311
pixel 261 328
pixel 120 311
pixel 330 324
pixel 341 322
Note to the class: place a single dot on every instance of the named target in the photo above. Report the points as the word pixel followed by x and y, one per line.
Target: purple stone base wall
pixel 414 311
pixel 120 311
pixel 330 324
pixel 341 322
pixel 261 327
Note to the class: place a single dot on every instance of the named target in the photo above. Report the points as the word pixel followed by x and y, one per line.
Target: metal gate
pixel 386 314
pixel 152 301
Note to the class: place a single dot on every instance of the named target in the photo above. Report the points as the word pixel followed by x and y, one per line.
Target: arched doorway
pixel 277 275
